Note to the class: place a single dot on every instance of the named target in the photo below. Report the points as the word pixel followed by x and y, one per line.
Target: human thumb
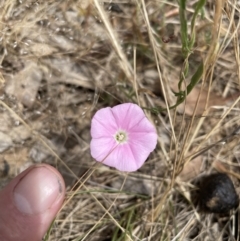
pixel 29 203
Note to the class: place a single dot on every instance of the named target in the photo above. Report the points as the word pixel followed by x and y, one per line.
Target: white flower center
pixel 121 137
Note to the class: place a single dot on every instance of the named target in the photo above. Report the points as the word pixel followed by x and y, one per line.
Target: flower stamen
pixel 121 137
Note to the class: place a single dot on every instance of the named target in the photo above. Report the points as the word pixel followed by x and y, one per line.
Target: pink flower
pixel 122 137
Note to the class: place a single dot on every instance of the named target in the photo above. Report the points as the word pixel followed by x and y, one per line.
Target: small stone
pixel 217 194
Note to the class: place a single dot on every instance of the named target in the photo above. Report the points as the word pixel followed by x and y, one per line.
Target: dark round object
pixel 217 194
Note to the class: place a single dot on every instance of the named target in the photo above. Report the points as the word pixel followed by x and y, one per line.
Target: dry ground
pixel 60 61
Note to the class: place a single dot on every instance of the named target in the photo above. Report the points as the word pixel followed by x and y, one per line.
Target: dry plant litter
pixel 60 61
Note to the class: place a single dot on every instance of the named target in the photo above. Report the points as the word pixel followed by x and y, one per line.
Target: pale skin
pixel 30 202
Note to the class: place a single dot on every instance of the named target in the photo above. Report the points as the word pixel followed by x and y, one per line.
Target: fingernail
pixel 37 191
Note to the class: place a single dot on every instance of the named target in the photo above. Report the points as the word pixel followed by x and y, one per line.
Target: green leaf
pixel 198 8
pixel 183 23
pixel 195 78
pixel 181 95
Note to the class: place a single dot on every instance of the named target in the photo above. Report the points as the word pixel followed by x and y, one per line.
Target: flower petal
pixel 142 144
pixel 141 137
pixel 122 159
pixel 103 124
pixel 127 115
pixel 102 147
pixel 143 126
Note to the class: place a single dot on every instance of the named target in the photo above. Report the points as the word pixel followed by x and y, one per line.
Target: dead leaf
pixel 24 85
pixel 41 49
pixel 65 71
pixel 5 141
pixel 19 133
pixel 5 122
pixel 17 161
pixel 191 101
pixel 221 167
pixel 191 169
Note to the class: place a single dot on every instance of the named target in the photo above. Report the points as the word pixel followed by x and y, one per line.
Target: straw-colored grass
pixel 61 61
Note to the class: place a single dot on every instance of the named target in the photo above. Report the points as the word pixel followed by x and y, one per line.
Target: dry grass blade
pixel 61 61
pixel 123 60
